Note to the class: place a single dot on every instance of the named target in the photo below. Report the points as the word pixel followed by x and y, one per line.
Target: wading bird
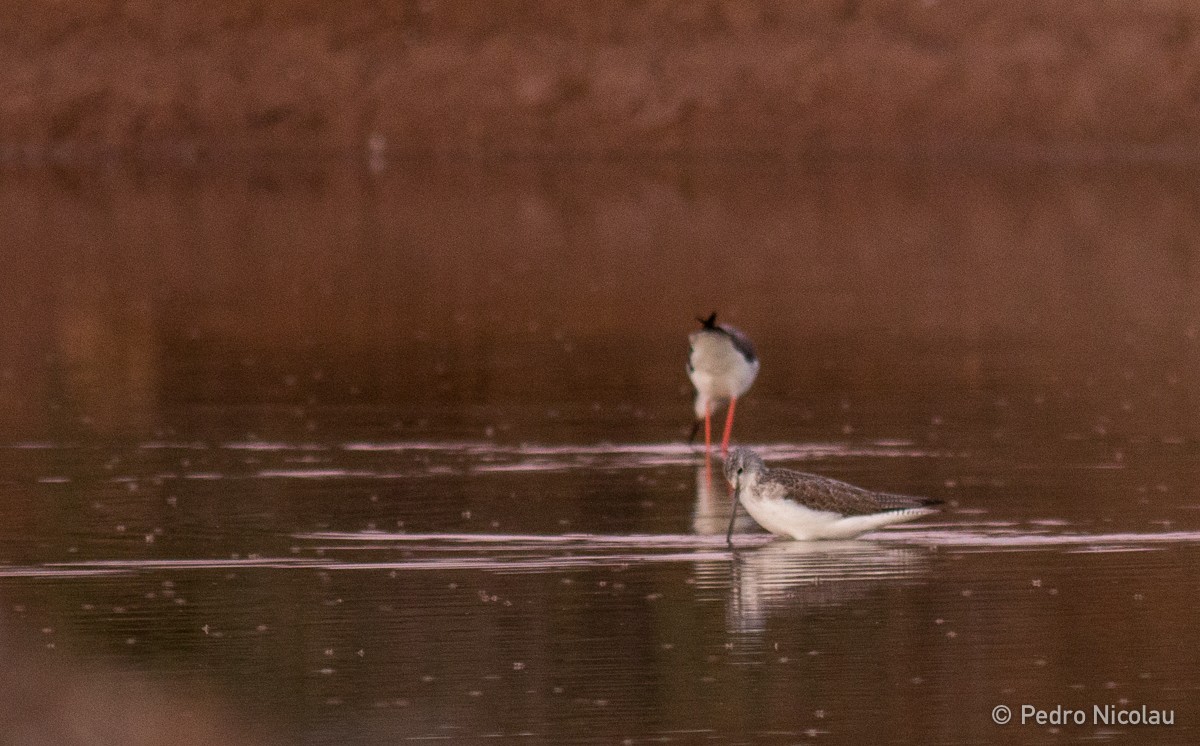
pixel 807 506
pixel 722 364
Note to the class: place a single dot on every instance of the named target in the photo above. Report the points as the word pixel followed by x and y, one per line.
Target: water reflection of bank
pixel 137 303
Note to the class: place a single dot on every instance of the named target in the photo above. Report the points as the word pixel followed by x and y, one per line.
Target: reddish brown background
pixel 588 76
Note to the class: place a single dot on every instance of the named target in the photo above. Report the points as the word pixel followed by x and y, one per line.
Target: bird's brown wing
pixel 822 493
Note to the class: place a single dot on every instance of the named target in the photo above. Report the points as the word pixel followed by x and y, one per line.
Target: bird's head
pixel 742 464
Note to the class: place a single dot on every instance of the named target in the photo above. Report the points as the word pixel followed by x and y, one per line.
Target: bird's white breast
pixel 787 518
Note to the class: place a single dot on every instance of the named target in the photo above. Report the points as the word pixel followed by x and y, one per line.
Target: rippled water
pixel 297 457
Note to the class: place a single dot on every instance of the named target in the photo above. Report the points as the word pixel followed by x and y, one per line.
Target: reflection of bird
pixel 722 364
pixel 807 506
pixel 783 576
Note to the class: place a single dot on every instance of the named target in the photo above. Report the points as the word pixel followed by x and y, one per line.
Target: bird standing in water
pixel 722 364
pixel 808 506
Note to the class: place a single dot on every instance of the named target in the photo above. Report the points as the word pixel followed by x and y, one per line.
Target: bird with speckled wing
pixel 809 506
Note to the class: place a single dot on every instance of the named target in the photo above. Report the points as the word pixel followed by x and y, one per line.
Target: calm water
pixel 302 455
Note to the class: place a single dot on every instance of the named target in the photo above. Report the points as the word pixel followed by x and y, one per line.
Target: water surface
pixel 322 457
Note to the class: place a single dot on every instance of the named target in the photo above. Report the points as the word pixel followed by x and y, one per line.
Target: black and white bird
pixel 722 364
pixel 807 506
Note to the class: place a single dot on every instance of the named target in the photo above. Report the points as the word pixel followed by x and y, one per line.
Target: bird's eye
pixel 740 470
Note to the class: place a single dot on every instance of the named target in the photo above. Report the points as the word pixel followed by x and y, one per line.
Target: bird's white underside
pixel 785 517
pixel 718 370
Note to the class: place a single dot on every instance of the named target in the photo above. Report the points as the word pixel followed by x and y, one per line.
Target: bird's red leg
pixel 728 426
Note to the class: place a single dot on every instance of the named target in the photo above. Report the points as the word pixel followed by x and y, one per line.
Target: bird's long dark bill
pixel 733 515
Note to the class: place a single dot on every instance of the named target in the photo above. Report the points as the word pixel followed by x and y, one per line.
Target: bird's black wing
pixel 740 341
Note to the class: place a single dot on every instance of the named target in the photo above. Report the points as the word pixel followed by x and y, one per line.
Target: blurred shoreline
pixel 192 80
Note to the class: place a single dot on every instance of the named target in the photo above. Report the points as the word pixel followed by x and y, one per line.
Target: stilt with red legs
pixel 722 364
